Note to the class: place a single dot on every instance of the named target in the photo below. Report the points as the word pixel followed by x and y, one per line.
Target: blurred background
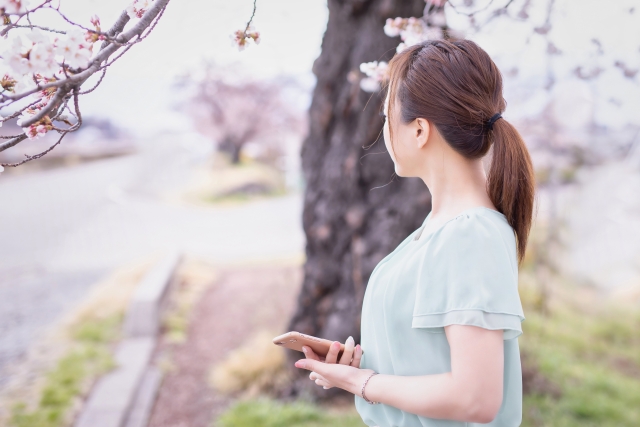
pixel 245 173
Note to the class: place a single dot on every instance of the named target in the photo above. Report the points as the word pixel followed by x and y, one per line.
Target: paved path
pixel 63 230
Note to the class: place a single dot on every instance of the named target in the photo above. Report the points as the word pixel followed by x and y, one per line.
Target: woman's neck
pixel 455 184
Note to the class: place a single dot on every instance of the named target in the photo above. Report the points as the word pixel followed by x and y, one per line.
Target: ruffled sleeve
pixel 468 275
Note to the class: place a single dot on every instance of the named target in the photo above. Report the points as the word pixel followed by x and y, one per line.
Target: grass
pixel 264 412
pixel 593 357
pixel 89 357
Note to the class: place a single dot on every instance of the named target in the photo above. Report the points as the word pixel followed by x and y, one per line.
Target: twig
pixel 252 15
pixel 40 28
pixel 104 71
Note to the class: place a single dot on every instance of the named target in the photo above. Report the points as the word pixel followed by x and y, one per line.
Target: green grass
pixel 264 412
pixel 594 359
pixel 90 357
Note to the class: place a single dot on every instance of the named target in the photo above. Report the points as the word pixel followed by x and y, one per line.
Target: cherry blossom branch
pixel 20 16
pixel 77 80
pixel 64 132
pixel 34 64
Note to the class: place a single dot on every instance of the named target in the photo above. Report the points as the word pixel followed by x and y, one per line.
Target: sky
pixel 137 94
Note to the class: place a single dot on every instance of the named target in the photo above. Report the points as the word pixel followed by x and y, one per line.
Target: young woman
pixel 441 313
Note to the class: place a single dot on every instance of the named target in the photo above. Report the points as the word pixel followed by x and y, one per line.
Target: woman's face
pixel 409 140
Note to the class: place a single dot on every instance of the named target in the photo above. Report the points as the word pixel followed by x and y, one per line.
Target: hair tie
pixel 492 120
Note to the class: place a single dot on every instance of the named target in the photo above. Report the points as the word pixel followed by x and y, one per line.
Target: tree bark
pixel 349 224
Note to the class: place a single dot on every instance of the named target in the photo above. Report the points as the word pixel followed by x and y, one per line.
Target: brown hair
pixel 456 86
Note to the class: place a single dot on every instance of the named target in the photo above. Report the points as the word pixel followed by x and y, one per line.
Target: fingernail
pixel 304 349
pixel 350 339
pixel 299 364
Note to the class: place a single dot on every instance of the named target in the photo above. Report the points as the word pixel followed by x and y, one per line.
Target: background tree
pixel 233 109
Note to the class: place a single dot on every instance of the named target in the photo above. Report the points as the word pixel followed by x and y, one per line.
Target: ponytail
pixel 511 181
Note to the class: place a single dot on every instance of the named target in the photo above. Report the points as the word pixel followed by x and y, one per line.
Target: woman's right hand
pixel 350 356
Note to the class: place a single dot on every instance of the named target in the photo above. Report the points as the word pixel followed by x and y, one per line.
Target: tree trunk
pixel 350 225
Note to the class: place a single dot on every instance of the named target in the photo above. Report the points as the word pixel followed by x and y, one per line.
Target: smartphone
pixel 295 340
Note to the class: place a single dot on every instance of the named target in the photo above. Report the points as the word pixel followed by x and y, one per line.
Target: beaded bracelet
pixel 362 391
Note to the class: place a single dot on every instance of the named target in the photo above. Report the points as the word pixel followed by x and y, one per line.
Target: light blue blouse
pixel 464 272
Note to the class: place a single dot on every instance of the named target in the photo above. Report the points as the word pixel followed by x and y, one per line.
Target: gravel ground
pixel 241 301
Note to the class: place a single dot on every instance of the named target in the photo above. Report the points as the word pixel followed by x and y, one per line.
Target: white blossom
pixel 24 84
pixel 392 27
pixel 15 56
pixel 1 168
pixel 14 6
pixel 369 84
pixel 376 73
pixel 37 36
pixel 42 58
pixel 376 70
pixel 74 48
pixel 437 19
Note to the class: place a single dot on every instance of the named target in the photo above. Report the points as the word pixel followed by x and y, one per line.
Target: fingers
pixel 320 380
pixel 357 355
pixel 332 355
pixel 308 351
pixel 309 364
pixel 347 354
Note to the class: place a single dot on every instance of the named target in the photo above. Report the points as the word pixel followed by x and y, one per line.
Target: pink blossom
pixel 138 8
pixel 242 38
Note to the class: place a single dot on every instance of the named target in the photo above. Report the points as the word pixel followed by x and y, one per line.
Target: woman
pixel 441 314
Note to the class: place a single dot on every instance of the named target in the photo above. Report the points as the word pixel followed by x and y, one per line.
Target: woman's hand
pixel 330 372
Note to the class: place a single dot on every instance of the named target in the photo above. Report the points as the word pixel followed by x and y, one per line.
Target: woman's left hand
pixel 330 372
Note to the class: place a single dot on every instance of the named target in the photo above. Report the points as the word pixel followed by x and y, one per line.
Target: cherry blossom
pixel 75 49
pixel 138 8
pixel 42 58
pixel 8 83
pixel 38 129
pixel 16 57
pixel 36 64
pixel 24 84
pixel 376 73
pixel 411 31
pixel 242 38
pixel 13 6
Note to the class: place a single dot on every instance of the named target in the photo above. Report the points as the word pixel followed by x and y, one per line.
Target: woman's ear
pixel 422 130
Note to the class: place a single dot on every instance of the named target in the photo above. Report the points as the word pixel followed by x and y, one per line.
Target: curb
pixel 124 397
